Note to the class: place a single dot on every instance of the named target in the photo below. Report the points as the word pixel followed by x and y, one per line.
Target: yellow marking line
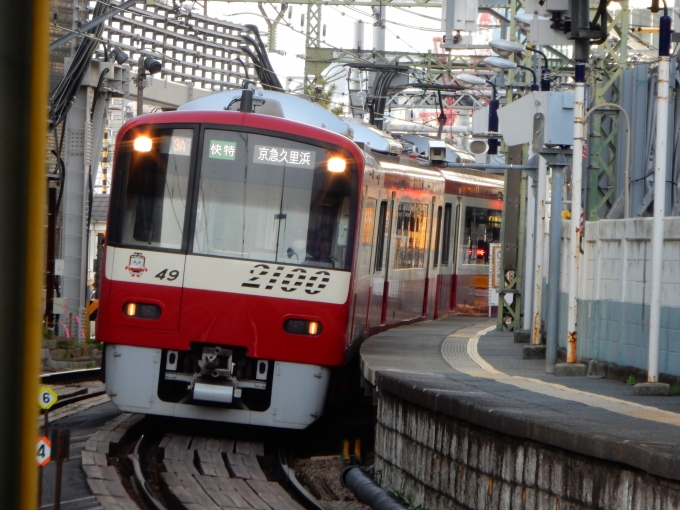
pixel 484 369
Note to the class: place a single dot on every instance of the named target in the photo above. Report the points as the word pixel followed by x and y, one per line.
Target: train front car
pixel 228 267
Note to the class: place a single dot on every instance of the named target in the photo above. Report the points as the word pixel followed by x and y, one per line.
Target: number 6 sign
pixel 46 397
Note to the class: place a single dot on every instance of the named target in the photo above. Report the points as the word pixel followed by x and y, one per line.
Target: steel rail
pixel 141 486
pixel 72 376
pixel 291 480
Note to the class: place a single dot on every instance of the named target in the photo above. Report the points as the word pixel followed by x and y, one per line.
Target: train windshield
pixel 273 199
pixel 156 190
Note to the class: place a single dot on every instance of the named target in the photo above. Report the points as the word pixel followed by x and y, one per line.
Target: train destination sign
pixel 222 150
pixel 180 145
pixel 281 156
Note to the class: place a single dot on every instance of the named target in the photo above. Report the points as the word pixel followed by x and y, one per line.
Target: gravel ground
pixel 321 477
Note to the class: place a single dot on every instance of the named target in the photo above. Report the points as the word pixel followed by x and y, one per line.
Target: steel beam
pixel 377 3
pixel 91 24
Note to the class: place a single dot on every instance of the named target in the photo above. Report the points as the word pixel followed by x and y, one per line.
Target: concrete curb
pixel 523 420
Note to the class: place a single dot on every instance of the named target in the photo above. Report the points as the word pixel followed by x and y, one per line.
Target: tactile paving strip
pixel 460 352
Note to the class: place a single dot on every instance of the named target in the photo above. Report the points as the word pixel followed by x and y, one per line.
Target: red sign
pixel 44 451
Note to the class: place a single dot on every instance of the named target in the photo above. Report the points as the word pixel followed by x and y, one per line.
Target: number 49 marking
pixel 171 276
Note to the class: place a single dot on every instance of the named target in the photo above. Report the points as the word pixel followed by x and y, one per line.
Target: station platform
pixel 463 368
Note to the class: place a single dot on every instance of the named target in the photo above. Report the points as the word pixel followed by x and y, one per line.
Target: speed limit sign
pixel 44 451
pixel 46 397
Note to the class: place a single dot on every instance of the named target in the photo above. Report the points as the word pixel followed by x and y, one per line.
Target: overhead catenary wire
pixel 262 65
pixel 61 97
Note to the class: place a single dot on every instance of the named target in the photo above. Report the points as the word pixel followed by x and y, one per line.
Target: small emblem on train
pixel 136 265
pixel 287 279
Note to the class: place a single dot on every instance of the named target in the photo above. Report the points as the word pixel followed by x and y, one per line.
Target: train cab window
pixel 157 180
pixel 275 200
pixel 446 239
pixel 437 234
pixel 482 227
pixel 382 232
pixel 410 236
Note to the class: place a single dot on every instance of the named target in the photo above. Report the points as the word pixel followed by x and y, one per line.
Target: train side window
pixel 437 234
pixel 380 243
pixel 482 227
pixel 446 241
pixel 411 236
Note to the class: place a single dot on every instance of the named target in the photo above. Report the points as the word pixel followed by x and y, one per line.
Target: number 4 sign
pixel 44 451
pixel 46 397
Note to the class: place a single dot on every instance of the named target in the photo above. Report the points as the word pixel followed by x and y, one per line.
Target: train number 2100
pixel 172 275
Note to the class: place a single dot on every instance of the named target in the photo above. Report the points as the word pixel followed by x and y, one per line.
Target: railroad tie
pixel 209 474
pixel 103 479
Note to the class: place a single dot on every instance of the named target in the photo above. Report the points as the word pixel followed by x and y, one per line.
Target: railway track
pixel 157 468
pixel 153 464
pixel 76 390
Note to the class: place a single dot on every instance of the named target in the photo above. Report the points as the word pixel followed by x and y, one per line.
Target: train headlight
pixel 143 144
pixel 302 327
pixel 336 165
pixel 142 310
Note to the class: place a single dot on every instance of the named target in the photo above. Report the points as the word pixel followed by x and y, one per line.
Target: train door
pixel 436 260
pixel 380 264
pixel 429 260
pixel 363 281
pixel 454 228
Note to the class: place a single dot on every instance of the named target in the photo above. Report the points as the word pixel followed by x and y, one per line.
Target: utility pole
pixel 24 68
pixel 653 386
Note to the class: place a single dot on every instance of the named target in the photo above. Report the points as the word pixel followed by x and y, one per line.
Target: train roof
pixel 373 138
pixel 275 104
pixel 469 177
pixel 474 178
pixel 251 120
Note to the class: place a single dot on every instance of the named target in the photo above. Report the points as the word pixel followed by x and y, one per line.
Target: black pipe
pixel 356 479
pixel 246 101
pixel 665 32
pixel 493 126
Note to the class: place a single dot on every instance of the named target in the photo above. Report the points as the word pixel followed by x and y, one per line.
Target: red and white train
pixel 247 255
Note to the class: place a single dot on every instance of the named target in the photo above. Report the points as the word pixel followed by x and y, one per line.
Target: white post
pixel 575 223
pixel 657 223
pixel 379 28
pixel 530 254
pixel 541 186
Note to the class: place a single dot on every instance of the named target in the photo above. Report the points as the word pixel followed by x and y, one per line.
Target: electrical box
pixel 546 7
pixel 59 305
pixel 543 118
pixel 539 31
pixel 480 121
pixel 437 150
pixel 459 15
pixel 109 66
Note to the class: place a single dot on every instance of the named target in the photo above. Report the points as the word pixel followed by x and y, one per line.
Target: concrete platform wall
pixel 439 463
pixel 613 317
